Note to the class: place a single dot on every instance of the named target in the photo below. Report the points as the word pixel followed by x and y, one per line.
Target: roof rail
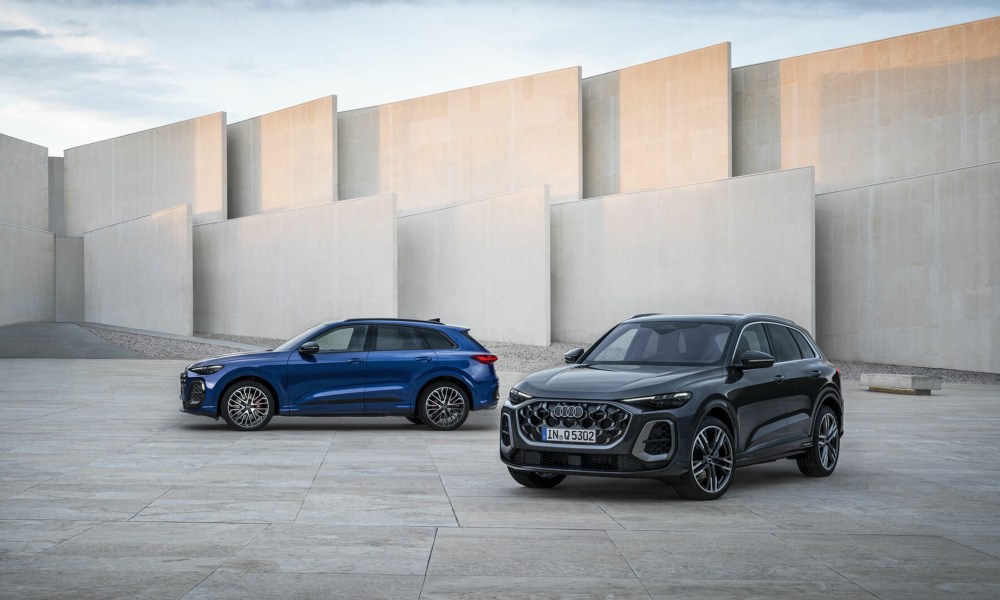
pixel 435 320
pixel 644 315
pixel 770 316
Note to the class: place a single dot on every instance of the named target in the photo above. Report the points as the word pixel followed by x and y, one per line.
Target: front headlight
pixel 206 369
pixel 517 397
pixel 661 401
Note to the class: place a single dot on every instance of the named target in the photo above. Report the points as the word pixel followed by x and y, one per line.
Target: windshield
pixel 662 343
pixel 300 339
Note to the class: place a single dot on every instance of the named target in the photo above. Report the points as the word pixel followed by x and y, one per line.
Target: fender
pixel 442 372
pixel 829 390
pixel 267 374
pixel 724 404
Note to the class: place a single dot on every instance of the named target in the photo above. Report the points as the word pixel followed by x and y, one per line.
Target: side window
pixel 804 347
pixel 398 337
pixel 785 347
pixel 343 339
pixel 753 338
pixel 436 340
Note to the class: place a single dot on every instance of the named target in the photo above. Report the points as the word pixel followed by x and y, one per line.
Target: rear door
pixel 332 381
pixel 806 378
pixel 399 360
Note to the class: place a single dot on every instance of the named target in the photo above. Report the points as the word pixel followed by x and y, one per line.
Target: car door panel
pixel 397 365
pixel 332 381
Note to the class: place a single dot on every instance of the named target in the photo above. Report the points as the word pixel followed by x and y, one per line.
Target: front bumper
pixel 196 397
pixel 629 442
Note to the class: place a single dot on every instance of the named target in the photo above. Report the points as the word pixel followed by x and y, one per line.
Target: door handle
pixel 356 361
pixel 423 359
pixel 815 373
pixel 779 378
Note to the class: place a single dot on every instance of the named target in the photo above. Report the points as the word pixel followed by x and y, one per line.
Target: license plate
pixel 578 436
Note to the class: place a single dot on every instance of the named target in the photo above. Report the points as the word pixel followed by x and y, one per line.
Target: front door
pixel 758 397
pixel 332 381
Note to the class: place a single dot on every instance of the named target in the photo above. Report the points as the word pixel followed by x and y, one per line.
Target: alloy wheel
pixel 445 406
pixel 712 459
pixel 248 407
pixel 829 441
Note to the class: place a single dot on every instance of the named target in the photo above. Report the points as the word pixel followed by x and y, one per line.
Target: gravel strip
pixel 151 346
pixel 517 358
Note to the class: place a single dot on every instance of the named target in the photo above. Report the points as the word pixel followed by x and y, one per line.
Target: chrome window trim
pixel 808 338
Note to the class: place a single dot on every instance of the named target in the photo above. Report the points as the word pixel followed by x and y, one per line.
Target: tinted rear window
pixel 436 340
pixel 397 337
pixel 804 347
pixel 785 348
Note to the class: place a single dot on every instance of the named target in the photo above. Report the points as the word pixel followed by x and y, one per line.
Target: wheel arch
pixel 720 408
pixel 239 378
pixel 439 377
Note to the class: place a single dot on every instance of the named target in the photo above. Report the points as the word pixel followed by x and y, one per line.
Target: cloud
pixel 31 34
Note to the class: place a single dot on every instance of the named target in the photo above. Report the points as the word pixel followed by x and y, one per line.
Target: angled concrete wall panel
pixel 896 108
pixel 69 288
pixel 23 183
pixel 27 261
pixel 909 271
pixel 660 124
pixel 131 176
pixel 283 160
pixel 483 264
pixel 276 274
pixel 466 144
pixel 139 273
pixel 730 246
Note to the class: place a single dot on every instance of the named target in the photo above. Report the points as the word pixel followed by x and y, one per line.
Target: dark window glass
pixel 398 337
pixel 663 343
pixel 804 347
pixel 753 338
pixel 785 347
pixel 436 340
pixel 343 339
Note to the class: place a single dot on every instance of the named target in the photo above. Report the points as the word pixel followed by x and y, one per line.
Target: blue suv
pixel 428 372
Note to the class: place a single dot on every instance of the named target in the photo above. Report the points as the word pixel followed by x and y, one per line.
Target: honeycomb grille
pixel 195 396
pixel 505 438
pixel 660 440
pixel 609 421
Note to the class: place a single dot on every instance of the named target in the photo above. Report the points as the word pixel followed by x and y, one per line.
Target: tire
pixel 247 406
pixel 443 406
pixel 821 459
pixel 712 463
pixel 533 479
pixel 414 419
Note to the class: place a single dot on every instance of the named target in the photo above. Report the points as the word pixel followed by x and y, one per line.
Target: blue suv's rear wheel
pixel 443 406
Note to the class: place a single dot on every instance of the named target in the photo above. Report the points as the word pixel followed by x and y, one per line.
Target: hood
pixel 236 358
pixel 613 382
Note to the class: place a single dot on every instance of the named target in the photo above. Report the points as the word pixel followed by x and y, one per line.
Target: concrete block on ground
pixel 901 384
pixel 134 175
pixel 27 263
pixel 69 287
pixel 138 273
pixel 732 246
pixel 23 183
pixel 274 275
pixel 283 160
pixel 482 264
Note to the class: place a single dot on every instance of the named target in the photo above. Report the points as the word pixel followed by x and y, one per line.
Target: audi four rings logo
pixel 563 411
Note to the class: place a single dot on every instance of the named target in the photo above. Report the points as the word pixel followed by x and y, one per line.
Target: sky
pixel 74 72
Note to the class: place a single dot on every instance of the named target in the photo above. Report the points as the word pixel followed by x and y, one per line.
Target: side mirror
pixel 754 359
pixel 309 348
pixel 573 355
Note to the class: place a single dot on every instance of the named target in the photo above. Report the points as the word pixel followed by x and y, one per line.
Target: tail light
pixel 486 359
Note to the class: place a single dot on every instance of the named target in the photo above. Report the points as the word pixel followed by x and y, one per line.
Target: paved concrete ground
pixel 106 490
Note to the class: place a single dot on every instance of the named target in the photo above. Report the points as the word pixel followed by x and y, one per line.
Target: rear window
pixel 397 337
pixel 804 346
pixel 785 348
pixel 436 340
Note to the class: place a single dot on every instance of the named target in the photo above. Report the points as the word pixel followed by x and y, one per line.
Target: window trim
pixel 364 346
pixel 373 341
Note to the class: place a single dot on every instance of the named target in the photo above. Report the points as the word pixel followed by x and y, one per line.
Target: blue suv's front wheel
pixel 247 406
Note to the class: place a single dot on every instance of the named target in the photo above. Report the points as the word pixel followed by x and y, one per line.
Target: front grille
pixel 610 421
pixel 614 463
pixel 659 440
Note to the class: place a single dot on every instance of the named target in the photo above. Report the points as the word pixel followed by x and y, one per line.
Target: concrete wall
pixel 131 176
pixel 660 124
pixel 909 271
pixel 735 245
pixel 285 159
pixel 139 274
pixel 57 196
pixel 23 183
pixel 867 114
pixel 466 144
pixel 27 259
pixel 483 264
pixel 274 275
pixel 69 287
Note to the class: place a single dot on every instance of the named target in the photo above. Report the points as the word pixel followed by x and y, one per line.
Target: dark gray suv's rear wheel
pixel 712 463
pixel 821 459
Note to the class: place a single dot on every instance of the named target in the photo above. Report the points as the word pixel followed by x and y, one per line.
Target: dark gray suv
pixel 685 399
